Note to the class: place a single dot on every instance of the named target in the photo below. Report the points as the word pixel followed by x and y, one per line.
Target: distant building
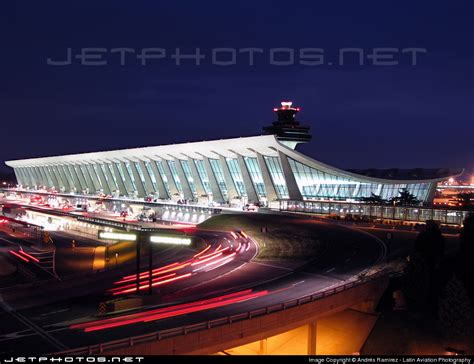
pixel 260 169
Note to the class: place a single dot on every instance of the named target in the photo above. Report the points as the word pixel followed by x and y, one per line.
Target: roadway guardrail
pixel 183 330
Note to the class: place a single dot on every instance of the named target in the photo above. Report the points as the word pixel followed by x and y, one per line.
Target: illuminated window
pixel 203 175
pixel 152 175
pixel 256 175
pixel 140 173
pixel 174 174
pixel 236 175
pixel 189 176
pixel 161 170
pixel 278 178
pixel 130 175
pixel 219 175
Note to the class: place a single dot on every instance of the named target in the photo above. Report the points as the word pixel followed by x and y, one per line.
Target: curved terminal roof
pixel 267 145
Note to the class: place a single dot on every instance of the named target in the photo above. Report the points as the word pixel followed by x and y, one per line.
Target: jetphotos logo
pixel 227 57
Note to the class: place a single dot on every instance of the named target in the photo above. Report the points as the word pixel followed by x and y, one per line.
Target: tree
pixel 417 283
pixel 405 198
pixel 430 244
pixel 466 254
pixel 455 311
pixel 374 200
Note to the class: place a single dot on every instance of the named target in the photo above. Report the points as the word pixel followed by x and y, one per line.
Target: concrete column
pixel 162 191
pixel 77 173
pixel 63 180
pixel 25 181
pixel 263 347
pixel 28 171
pixel 267 179
pixel 103 179
pixel 216 191
pixel 229 182
pixel 111 177
pixel 19 178
pixel 312 328
pixel 169 177
pixel 53 177
pixel 95 177
pixel 196 178
pixel 39 176
pixel 58 177
pixel 25 173
pixel 138 180
pixel 120 182
pixel 23 177
pixel 148 182
pixel 293 190
pixel 128 179
pixel 48 177
pixel 188 194
pixel 87 177
pixel 249 187
pixel 67 176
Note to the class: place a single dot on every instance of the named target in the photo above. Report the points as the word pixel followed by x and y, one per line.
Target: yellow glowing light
pixel 117 236
pixel 170 240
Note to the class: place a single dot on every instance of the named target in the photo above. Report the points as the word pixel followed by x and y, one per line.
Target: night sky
pixel 361 116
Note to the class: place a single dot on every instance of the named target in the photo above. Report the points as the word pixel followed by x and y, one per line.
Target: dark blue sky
pixel 361 115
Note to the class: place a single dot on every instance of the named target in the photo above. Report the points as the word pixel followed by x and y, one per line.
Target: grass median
pixel 285 237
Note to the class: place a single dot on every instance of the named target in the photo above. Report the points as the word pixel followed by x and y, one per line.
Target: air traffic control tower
pixel 286 128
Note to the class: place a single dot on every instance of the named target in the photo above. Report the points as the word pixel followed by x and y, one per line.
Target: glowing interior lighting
pixel 170 240
pixel 19 256
pixel 117 236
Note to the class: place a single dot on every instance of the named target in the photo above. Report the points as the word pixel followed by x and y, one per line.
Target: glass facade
pixel 256 175
pixel 152 175
pixel 203 175
pixel 316 184
pixel 161 170
pixel 122 173
pixel 278 178
pixel 219 175
pixel 174 173
pixel 236 175
pixel 112 173
pixel 95 168
pixel 140 173
pixel 189 176
pixel 130 175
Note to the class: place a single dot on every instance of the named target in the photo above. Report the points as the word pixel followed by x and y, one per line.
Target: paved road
pixel 260 284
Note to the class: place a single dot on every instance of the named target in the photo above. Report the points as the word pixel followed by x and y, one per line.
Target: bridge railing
pixel 183 330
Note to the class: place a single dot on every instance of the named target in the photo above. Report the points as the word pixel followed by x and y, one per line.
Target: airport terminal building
pixel 263 169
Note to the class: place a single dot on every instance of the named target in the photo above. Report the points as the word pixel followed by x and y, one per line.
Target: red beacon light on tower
pixel 286 128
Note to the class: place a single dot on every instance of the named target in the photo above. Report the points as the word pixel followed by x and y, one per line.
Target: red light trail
pixel 167 312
